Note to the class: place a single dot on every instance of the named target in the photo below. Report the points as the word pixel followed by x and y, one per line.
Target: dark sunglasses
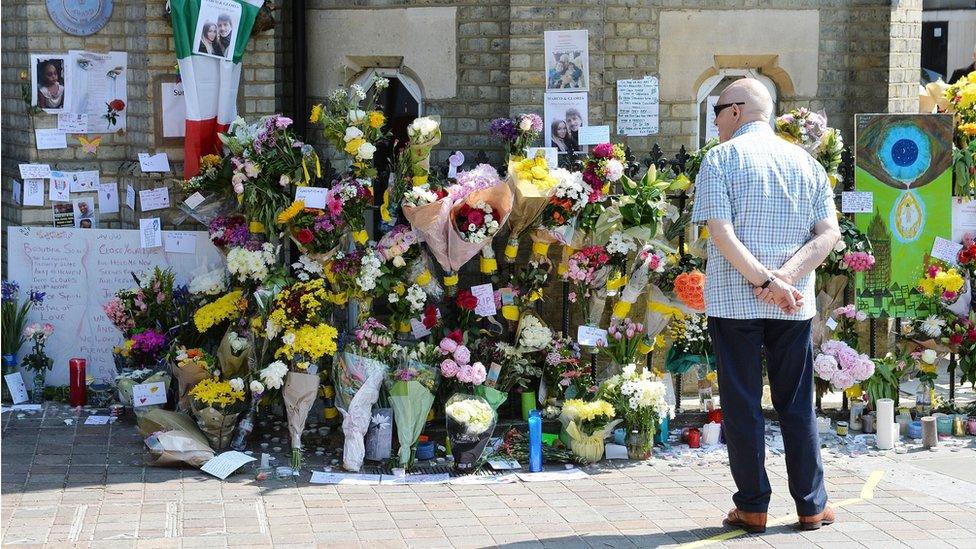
pixel 723 106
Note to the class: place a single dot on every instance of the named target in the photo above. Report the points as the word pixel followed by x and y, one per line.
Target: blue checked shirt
pixel 773 192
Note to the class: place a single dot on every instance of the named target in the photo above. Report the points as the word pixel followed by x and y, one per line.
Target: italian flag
pixel 209 84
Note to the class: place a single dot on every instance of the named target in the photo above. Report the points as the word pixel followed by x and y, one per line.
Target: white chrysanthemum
pixel 274 374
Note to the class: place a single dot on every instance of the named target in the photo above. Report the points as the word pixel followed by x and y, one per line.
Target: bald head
pixel 758 104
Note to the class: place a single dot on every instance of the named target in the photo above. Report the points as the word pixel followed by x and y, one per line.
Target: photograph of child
pixel 49 82
pixel 567 60
pixel 215 36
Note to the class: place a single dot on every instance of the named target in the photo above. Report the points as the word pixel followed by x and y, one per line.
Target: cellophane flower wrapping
pixel 299 394
pixel 411 393
pixel 357 383
pixel 583 427
pixel 532 184
pixel 470 424
pixel 499 198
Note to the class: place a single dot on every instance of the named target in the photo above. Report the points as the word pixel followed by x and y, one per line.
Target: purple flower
pixel 149 342
pixel 10 290
pixel 502 128
pixel 282 122
pixel 536 121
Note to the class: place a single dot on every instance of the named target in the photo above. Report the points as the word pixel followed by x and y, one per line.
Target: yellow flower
pixel 353 146
pixel 316 114
pixel 217 394
pixel 311 341
pixel 711 377
pixel 221 309
pixel 376 119
pixel 291 211
pixel 968 128
pixel 854 391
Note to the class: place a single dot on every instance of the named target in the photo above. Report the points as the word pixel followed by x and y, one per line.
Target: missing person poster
pixel 567 60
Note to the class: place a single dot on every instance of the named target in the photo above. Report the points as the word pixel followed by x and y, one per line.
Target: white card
pixel 147 394
pixel 33 192
pixel 84 181
pixel 320 477
pixel 418 329
pixel 551 154
pixel 130 197
pixel 69 122
pixel 154 199
pixel 16 386
pixel 60 191
pixel 946 250
pixel 615 451
pixel 16 190
pixel 314 197
pixel 35 171
pixel 546 476
pixel 831 323
pixel 108 197
pixel 158 162
pixel 99 420
pixel 471 480
pixel 150 232
pixel 193 200
pixel 486 299
pixel 591 335
pixel 504 464
pixel 856 202
pixel 434 478
pixel 180 242
pixel 50 139
pixel 594 135
pixel 222 465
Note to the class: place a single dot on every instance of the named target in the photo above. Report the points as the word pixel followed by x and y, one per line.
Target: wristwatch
pixel 767 283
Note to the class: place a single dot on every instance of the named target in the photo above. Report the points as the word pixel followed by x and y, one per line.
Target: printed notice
pixel 320 477
pixel 591 336
pixel 221 466
pixel 856 202
pixel 594 135
pixel 150 233
pixel 17 191
pixel 486 300
pixel 313 197
pixel 154 199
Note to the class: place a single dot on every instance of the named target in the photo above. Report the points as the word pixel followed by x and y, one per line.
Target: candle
pixel 76 376
pixel 959 426
pixel 710 433
pixel 944 425
pixel 842 428
pixel 930 437
pixel 904 420
pixel 886 424
pixel 857 411
pixel 867 422
pixel 694 438
pixel 823 425
pixel 972 426
pixel 915 429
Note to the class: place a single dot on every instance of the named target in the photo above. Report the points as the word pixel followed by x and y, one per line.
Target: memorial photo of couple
pixel 215 35
pixel 565 114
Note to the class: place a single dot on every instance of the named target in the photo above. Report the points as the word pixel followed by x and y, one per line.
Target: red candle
pixel 715 416
pixel 694 438
pixel 76 373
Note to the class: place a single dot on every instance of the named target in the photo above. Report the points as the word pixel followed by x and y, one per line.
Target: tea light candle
pixel 264 445
pixel 842 428
pixel 276 449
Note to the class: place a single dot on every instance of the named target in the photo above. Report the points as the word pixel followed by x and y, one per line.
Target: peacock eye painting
pixel 905 162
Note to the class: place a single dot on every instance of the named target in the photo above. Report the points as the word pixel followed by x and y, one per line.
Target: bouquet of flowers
pixel 405 303
pixel 225 308
pixel 586 425
pixel 228 232
pixel 588 271
pixel 298 394
pixel 648 263
pixel 456 361
pixel 809 130
pixel 851 254
pixel 532 183
pixel 482 176
pixel 690 289
pixel 15 317
pixel 470 423
pixel 511 367
pixel 128 378
pixel 411 386
pixel 477 223
pixel 37 360
pixel 525 286
pixel 517 134
pixel 690 344
pixel 352 127
pixel 267 159
pixel 625 340
pixel 190 367
pixel 948 286
pixel 568 199
pixel 424 133
pixel 642 207
pixel 967 256
pixel 841 365
pixel 216 405
pixel 317 233
pixel 565 376
pixel 299 314
pixel 358 375
pixel 604 167
pixel 352 196
pixel 619 247
pixel 253 263
pixel 639 399
pixel 962 102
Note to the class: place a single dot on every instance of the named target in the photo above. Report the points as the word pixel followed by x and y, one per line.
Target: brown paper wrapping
pixel 231 366
pixel 430 220
pixel 830 297
pixel 186 378
pixel 528 203
pixel 157 419
pixel 218 426
pixel 299 395
pixel 178 447
pixel 460 251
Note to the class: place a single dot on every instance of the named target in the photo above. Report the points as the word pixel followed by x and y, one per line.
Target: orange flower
pixel 690 288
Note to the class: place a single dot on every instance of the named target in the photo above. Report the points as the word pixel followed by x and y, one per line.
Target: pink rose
pixel 464 374
pixel 478 373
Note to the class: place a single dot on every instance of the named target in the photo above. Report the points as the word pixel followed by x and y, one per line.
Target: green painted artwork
pixel 905 161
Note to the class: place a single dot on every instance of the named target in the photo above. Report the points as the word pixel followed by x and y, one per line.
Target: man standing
pixel 771 219
pixel 223 35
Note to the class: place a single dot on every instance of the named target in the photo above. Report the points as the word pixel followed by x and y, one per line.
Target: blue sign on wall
pixel 80 17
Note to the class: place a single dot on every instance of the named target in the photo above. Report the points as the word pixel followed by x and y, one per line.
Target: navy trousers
pixel 739 346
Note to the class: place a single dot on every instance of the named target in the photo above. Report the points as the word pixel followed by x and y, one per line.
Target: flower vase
pixel 528 404
pixel 9 367
pixel 37 393
pixel 639 444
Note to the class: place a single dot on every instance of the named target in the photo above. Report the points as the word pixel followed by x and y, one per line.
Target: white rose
pixel 366 151
pixel 256 387
pixel 398 261
pixel 237 384
pixel 929 356
pixel 840 246
pixel 356 116
pixel 352 133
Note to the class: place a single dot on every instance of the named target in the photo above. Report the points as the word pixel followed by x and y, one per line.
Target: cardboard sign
pixel 147 394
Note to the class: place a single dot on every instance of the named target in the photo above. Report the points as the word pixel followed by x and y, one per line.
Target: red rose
pixel 117 105
pixel 955 339
pixel 477 217
pixel 466 300
pixel 972 335
pixel 305 236
pixel 456 335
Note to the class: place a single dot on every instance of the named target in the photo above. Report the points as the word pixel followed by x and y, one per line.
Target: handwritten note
pixel 99 420
pixel 33 192
pixel 130 197
pixel 856 202
pixel 321 477
pixel 35 171
pixel 180 242
pixel 154 199
pixel 50 139
pixel 222 465
pixel 69 122
pixel 638 107
pixel 486 299
pixel 946 250
pixel 108 197
pixel 84 181
pixel 314 197
pixel 158 162
pixel 59 191
pixel 194 200
pixel 147 394
pixel 594 135
pixel 150 233
pixel 16 386
pixel 418 329
pixel 591 336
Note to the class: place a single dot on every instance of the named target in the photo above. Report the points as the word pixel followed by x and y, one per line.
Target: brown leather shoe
pixel 814 522
pixel 754 523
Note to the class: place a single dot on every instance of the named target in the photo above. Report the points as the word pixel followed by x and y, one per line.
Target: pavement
pixel 83 485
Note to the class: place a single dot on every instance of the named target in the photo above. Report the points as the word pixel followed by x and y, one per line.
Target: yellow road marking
pixel 867 492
